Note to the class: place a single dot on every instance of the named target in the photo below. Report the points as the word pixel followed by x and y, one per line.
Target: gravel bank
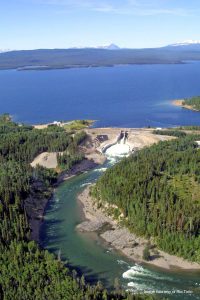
pixel 121 238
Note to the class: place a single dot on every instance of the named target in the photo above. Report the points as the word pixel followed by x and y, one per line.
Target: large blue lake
pixel 129 96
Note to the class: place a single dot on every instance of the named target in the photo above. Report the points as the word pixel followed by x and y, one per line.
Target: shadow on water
pixel 89 274
pixel 49 233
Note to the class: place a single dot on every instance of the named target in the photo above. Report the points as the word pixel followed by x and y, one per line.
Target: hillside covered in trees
pixel 26 271
pixel 158 191
pixel 44 59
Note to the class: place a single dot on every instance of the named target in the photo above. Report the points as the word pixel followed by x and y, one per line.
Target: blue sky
pixel 31 24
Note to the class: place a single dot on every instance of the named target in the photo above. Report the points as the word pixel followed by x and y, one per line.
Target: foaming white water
pixel 85 184
pixel 101 170
pixel 122 262
pixel 118 150
pixel 138 271
pixel 112 160
pixel 133 271
pixel 145 281
pixel 138 287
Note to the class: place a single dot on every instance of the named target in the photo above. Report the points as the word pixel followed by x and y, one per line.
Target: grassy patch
pixel 170 132
pixel 78 124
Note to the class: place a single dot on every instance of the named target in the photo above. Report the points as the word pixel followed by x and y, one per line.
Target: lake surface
pixel 94 257
pixel 123 96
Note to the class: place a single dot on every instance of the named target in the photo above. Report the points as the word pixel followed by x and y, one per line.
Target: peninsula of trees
pixel 192 103
pixel 157 190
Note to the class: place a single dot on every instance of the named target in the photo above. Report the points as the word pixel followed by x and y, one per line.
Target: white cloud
pixel 125 7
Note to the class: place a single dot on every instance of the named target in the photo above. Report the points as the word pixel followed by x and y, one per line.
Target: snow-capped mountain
pixel 4 50
pixel 185 46
pixel 186 43
pixel 110 47
pixel 107 47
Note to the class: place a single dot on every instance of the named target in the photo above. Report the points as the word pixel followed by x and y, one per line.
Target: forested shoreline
pixel 193 102
pixel 157 191
pixel 26 270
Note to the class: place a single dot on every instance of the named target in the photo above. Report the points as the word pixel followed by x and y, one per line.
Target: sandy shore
pixel 121 239
pixel 179 102
pixel 46 159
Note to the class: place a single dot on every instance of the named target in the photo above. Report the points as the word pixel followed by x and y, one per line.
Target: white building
pixel 198 143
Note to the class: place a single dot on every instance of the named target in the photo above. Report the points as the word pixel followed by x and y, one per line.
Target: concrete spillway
pixel 119 147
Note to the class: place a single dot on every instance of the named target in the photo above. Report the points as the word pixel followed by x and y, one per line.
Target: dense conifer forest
pixel 26 271
pixel 158 191
pixel 71 155
pixel 176 133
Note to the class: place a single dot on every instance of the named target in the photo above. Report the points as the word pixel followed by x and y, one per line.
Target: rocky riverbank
pixel 121 239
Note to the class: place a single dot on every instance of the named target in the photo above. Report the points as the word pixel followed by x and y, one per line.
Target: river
pixel 89 254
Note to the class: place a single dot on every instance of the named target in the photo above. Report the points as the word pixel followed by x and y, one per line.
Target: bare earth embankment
pixel 121 239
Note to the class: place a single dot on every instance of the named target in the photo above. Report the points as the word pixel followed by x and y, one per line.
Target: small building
pixel 57 123
pixel 100 139
pixel 198 143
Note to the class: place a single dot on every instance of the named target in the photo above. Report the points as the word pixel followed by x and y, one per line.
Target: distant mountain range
pixel 186 43
pixel 107 47
pixel 4 50
pixel 100 56
pixel 110 47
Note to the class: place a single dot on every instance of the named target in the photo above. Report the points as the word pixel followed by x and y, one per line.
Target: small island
pixel 192 103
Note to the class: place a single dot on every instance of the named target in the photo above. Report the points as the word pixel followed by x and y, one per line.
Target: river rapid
pixel 89 254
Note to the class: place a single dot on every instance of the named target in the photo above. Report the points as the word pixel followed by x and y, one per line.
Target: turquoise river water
pixel 89 254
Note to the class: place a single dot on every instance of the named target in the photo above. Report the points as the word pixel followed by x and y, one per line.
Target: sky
pixel 33 24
